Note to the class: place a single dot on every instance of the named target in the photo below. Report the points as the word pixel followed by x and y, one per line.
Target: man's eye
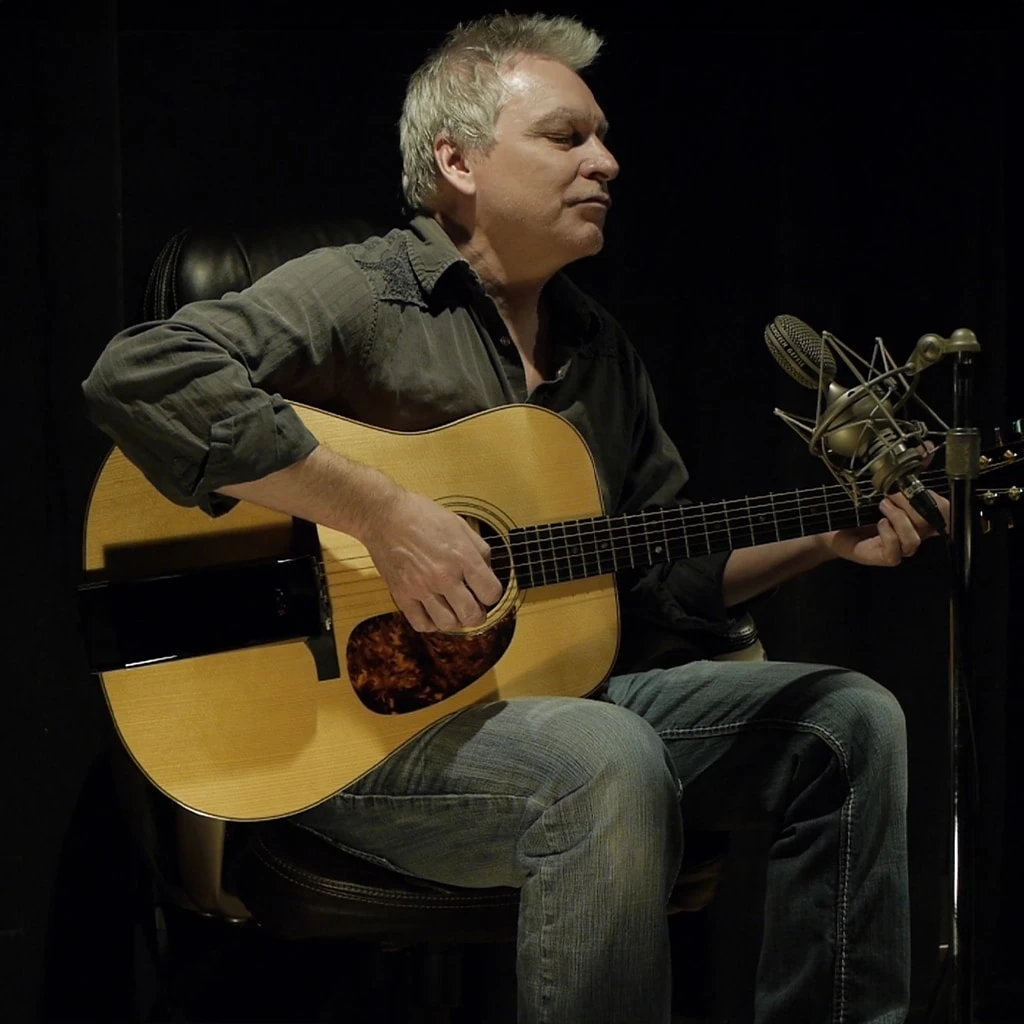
pixel 567 139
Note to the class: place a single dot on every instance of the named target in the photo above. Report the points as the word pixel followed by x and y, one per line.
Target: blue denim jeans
pixel 581 804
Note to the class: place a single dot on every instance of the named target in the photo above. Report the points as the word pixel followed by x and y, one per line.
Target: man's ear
pixel 453 165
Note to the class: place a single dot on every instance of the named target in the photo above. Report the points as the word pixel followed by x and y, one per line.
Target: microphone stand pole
pixel 963 446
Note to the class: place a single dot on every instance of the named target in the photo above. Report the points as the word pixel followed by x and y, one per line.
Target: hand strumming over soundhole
pixel 435 565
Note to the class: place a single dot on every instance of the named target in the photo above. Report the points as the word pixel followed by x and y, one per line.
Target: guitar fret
pixel 606 551
pixel 551 556
pixel 599 542
pixel 647 538
pixel 565 555
pixel 574 551
pixel 664 549
pixel 629 541
pixel 813 519
pixel 538 562
pixel 582 548
pixel 523 568
pixel 719 537
pixel 560 554
pixel 588 535
pixel 550 560
pixel 529 534
pixel 828 514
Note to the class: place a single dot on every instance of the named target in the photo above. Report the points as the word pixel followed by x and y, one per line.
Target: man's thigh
pixel 734 729
pixel 452 803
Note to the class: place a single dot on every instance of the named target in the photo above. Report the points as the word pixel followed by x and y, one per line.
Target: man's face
pixel 543 187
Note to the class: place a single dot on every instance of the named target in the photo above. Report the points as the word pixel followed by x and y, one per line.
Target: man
pixel 577 802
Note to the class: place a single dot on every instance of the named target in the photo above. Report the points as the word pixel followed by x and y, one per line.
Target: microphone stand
pixel 802 354
pixel 963 446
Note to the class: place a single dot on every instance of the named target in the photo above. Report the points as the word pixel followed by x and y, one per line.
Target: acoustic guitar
pixel 255 665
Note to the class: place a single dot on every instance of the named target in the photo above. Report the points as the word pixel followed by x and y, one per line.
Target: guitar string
pixel 675 523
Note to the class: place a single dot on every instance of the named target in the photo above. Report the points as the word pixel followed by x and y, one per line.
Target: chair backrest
pixel 206 261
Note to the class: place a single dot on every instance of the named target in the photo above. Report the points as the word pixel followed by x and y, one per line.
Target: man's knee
pixel 612 750
pixel 615 791
pixel 870 721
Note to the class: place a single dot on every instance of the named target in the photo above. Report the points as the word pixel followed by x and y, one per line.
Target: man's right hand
pixel 435 565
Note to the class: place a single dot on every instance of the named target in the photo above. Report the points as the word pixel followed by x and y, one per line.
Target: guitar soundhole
pixel 395 670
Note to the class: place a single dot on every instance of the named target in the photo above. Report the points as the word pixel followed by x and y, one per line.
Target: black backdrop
pixel 855 177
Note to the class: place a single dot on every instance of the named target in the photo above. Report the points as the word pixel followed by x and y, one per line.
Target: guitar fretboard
pixel 580 548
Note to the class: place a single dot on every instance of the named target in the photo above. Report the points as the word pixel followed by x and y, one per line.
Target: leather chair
pixel 275 876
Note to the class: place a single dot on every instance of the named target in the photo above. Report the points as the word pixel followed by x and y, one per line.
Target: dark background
pixel 856 177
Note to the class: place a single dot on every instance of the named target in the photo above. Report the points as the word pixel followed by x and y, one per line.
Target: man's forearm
pixel 752 571
pixel 324 487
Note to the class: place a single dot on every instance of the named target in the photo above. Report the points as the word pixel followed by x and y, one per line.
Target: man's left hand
pixel 897 535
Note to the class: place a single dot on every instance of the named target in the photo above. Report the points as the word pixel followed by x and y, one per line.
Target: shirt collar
pixel 433 253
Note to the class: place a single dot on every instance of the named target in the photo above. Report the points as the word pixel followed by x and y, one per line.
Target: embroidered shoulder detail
pixel 385 261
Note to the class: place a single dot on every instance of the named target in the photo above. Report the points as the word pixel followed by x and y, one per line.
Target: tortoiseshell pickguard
pixel 395 670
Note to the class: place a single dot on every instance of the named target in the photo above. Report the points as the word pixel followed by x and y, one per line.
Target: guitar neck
pixel 580 548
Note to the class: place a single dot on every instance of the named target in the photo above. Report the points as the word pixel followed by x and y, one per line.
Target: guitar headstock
pixel 1002 452
pixel 997 503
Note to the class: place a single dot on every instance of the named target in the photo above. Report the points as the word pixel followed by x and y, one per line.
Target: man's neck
pixel 516 292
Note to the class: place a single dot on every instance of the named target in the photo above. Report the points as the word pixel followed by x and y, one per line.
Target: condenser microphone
pixel 856 423
pixel 801 352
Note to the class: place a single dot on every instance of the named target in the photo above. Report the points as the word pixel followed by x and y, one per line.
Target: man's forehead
pixel 543 90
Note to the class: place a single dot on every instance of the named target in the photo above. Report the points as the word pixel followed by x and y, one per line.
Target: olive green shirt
pixel 396 332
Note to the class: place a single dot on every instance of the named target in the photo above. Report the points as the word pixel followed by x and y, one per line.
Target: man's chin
pixel 592 242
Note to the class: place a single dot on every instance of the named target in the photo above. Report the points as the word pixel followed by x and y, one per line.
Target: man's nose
pixel 600 163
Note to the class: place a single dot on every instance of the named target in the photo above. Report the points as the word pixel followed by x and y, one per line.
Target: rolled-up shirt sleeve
pixel 195 401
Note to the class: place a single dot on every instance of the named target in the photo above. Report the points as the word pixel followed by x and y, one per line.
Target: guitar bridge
pixel 129 623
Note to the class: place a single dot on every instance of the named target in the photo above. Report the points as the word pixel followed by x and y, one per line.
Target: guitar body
pixel 253 733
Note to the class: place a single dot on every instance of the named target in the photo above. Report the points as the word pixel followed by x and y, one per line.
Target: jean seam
pixel 845 819
pixel 547 981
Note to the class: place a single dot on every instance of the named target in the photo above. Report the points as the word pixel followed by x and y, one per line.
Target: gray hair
pixel 458 90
